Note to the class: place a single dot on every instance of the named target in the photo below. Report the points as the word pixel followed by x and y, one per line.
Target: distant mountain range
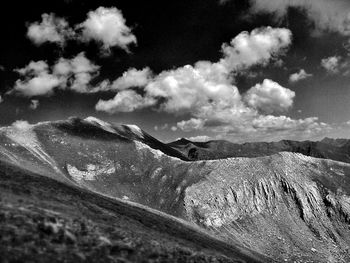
pixel 334 149
pixel 275 205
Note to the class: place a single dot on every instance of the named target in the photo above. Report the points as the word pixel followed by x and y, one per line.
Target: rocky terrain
pixel 334 149
pixel 286 206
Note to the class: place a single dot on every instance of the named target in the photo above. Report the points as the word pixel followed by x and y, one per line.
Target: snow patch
pixel 91 172
pixel 142 147
pixel 102 124
pixel 135 130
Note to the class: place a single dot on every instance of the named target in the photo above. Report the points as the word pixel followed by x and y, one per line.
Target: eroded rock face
pixel 288 205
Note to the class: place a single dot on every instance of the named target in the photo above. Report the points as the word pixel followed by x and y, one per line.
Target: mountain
pixel 286 206
pixel 334 149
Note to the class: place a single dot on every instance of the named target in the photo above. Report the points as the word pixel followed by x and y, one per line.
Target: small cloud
pixel 130 78
pixel 331 64
pixel 173 128
pixel 107 26
pixel 162 127
pixel 51 29
pixel 34 104
pixel 191 124
pixel 1 99
pixel 300 75
pixel 269 97
pixel 124 101
pixel 38 78
pixel 278 63
pixel 2 68
pixel 200 138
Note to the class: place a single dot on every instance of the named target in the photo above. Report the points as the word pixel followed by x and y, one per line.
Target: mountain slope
pixel 44 220
pixel 287 206
pixel 334 149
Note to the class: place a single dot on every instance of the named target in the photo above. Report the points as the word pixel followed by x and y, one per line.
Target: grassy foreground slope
pixel 42 220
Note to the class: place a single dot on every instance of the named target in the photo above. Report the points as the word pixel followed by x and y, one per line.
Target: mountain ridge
pixel 335 149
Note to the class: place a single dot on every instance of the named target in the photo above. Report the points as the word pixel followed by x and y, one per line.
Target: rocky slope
pixel 42 220
pixel 288 206
pixel 334 149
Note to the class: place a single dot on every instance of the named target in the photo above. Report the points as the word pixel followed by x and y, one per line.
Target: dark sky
pixel 170 35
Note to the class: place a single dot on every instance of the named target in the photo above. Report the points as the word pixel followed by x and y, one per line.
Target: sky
pixel 248 70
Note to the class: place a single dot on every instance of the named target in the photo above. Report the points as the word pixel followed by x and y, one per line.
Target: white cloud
pixel 41 79
pixel 124 101
pixel 187 89
pixel 51 29
pixel 300 75
pixel 204 92
pixel 200 138
pixel 191 124
pixel 104 25
pixel 107 26
pixel 40 84
pixel 34 104
pixel 327 15
pixel 269 97
pixel 130 78
pixel 162 127
pixel 133 78
pixel 331 64
pixel 257 47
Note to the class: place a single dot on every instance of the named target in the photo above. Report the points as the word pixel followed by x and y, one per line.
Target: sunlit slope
pixel 287 205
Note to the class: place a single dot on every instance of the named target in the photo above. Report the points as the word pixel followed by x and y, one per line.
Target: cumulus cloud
pixel 191 124
pixel 38 78
pixel 51 29
pixel 200 138
pixel 326 15
pixel 34 104
pixel 207 85
pixel 300 75
pixel 130 78
pixel 107 26
pixel 331 64
pixel 104 25
pixel 133 78
pixel 124 101
pixel 161 127
pixel 269 97
pixel 205 92
pixel 257 47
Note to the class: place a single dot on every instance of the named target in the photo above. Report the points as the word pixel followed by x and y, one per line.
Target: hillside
pixel 287 206
pixel 43 220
